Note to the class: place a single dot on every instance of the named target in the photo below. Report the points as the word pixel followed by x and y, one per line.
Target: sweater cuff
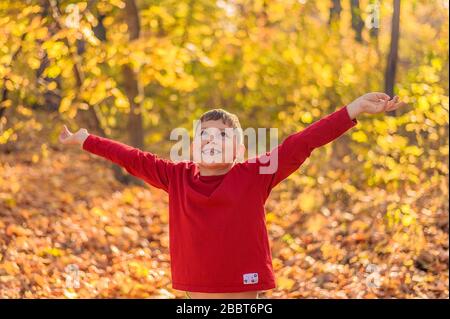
pixel 346 117
pixel 87 142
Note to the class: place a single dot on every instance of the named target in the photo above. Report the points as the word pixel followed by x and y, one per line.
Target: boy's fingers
pixel 379 96
pixel 383 96
pixel 392 102
pixel 64 135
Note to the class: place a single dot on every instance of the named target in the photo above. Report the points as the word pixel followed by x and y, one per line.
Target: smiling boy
pixel 219 246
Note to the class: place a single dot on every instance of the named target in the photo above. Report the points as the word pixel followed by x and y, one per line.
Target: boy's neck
pixel 205 171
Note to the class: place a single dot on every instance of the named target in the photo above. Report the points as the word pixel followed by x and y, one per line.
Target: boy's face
pixel 218 144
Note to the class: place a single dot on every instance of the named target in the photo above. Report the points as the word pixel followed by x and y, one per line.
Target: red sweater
pixel 217 231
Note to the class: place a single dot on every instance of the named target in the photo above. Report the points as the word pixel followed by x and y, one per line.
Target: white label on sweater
pixel 251 278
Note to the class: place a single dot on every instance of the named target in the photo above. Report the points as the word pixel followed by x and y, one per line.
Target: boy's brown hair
pixel 220 114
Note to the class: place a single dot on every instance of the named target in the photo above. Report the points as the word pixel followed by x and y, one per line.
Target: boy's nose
pixel 210 138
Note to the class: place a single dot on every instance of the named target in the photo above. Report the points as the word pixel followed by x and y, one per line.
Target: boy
pixel 219 246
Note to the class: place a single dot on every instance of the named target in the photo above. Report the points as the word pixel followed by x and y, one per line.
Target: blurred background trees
pixel 137 69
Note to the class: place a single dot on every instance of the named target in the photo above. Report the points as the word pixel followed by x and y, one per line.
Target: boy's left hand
pixel 373 103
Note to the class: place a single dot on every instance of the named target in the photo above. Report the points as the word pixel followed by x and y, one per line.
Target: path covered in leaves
pixel 68 229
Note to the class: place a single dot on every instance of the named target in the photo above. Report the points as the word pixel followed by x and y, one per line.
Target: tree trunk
pixel 131 82
pixel 393 52
pixel 335 11
pixel 52 98
pixel 357 22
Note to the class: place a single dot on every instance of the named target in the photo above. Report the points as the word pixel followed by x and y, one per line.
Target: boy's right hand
pixel 68 138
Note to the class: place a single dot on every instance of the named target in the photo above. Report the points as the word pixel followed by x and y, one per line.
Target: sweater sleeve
pixel 288 156
pixel 145 165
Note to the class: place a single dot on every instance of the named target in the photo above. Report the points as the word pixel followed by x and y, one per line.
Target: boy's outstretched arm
pixel 297 147
pixel 145 165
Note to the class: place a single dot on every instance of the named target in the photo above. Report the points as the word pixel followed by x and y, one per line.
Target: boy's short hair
pixel 226 117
